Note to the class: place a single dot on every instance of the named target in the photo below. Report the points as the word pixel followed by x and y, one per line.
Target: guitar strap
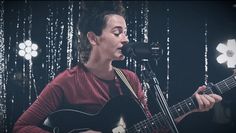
pixel 125 81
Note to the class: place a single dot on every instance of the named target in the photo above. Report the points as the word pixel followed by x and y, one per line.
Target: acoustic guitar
pixel 125 115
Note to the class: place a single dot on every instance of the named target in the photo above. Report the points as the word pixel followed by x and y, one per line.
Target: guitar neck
pixel 187 105
pixel 190 103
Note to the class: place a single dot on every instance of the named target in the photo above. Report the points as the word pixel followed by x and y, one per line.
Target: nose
pixel 125 40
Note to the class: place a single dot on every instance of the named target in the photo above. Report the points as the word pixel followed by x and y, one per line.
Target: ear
pixel 92 38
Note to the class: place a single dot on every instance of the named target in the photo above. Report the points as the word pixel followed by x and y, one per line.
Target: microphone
pixel 141 50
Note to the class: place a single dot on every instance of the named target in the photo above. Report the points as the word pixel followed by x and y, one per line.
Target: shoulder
pixel 63 82
pixel 68 75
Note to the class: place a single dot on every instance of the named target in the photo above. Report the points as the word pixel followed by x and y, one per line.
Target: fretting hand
pixel 205 101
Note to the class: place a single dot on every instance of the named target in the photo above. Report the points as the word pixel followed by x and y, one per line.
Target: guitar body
pixel 121 111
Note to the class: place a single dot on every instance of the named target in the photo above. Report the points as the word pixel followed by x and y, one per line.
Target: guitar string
pixel 138 126
pixel 222 86
pixel 160 116
pixel 230 82
pixel 143 125
pixel 186 102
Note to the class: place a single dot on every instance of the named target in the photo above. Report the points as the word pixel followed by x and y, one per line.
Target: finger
pixel 201 89
pixel 216 97
pixel 205 101
pixel 210 100
pixel 199 101
pixel 206 104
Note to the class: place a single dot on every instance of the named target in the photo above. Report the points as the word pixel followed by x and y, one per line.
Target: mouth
pixel 119 49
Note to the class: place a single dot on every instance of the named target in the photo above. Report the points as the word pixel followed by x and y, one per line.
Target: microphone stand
pixel 150 77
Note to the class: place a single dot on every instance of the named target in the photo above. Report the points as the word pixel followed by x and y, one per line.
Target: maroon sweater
pixel 75 87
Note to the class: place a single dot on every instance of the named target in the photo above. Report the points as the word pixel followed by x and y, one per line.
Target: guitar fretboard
pixel 183 107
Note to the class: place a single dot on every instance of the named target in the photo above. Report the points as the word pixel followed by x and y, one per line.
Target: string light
pixel 3 65
pixel 206 55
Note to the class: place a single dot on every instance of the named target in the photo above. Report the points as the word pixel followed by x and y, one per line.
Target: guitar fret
pixel 146 125
pixel 191 104
pixel 176 109
pixel 181 108
pixel 150 125
pixel 223 87
pixel 175 112
pixel 232 82
pixel 184 106
pixel 162 120
pixel 208 90
pixel 218 88
pixel 226 84
pixel 186 103
pixel 157 118
pixel 153 122
pixel 137 127
pixel 143 126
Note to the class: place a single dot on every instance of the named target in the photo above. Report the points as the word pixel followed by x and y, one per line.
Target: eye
pixel 125 33
pixel 117 33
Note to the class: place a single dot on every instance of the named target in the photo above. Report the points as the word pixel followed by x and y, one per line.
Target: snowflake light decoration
pixel 228 53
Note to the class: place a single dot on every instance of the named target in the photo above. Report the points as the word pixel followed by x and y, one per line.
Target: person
pixel 89 85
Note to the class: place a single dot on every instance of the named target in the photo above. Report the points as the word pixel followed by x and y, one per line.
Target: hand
pixel 205 101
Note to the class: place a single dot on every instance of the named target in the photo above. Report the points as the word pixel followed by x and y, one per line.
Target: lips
pixel 119 48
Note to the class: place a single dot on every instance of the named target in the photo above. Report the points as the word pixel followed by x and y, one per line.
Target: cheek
pixel 108 42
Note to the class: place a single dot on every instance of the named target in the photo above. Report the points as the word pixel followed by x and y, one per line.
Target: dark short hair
pixel 93 19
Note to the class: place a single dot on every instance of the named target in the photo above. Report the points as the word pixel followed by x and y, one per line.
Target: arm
pixel 31 120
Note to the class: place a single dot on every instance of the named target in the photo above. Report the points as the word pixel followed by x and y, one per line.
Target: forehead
pixel 115 21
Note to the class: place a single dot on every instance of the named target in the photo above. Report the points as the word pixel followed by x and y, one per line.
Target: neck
pixel 102 69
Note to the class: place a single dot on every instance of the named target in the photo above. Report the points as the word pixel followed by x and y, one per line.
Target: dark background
pixel 187 44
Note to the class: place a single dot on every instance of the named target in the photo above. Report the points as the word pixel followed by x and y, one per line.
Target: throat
pixel 102 72
pixel 106 76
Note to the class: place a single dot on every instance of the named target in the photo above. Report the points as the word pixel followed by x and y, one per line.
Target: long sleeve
pixel 31 120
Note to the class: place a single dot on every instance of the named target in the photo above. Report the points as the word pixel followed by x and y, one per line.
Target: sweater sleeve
pixel 47 102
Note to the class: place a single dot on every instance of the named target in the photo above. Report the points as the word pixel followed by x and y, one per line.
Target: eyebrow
pixel 119 27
